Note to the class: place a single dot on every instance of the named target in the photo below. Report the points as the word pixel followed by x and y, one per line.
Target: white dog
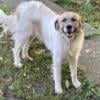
pixel 62 34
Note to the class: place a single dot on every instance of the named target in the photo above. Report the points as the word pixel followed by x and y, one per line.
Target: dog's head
pixel 69 24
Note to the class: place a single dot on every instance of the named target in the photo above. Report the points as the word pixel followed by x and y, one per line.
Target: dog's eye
pixel 64 20
pixel 73 19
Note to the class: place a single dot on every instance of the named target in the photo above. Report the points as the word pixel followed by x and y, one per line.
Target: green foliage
pixel 68 2
pixel 2 98
pixel 5 9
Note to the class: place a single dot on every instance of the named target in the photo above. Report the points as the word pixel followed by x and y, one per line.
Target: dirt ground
pixel 90 60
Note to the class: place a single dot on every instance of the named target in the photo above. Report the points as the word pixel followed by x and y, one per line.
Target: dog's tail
pixel 3 23
pixel 3 17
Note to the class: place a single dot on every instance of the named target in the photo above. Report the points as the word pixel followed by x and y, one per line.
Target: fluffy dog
pixel 62 34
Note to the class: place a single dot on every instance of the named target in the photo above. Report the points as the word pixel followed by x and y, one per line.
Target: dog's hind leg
pixel 19 42
pixel 25 49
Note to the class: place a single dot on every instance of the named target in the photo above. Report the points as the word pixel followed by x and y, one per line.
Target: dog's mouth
pixel 69 33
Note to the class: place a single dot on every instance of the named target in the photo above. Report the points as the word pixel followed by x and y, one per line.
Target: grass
pixel 34 80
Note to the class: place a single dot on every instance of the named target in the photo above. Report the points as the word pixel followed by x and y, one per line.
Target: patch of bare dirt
pixel 90 60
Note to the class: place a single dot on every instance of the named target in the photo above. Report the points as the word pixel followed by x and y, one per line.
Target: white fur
pixel 22 29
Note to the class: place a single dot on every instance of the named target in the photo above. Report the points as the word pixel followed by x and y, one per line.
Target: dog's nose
pixel 69 27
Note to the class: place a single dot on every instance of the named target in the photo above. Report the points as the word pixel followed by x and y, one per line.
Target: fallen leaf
pixel 87 51
pixel 24 75
pixel 1 93
pixel 29 86
pixel 11 87
pixel 67 84
pixel 33 90
pixel 1 58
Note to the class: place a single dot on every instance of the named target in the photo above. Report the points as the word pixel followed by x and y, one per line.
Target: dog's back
pixel 35 15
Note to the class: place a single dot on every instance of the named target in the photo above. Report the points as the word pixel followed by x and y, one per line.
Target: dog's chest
pixel 66 46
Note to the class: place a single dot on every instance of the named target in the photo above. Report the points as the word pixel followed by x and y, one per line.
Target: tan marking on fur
pixel 77 41
pixel 69 15
pixel 76 45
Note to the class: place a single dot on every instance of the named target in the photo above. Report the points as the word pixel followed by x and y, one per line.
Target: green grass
pixel 5 9
pixel 34 81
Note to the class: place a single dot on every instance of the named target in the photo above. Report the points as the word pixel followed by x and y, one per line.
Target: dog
pixel 62 34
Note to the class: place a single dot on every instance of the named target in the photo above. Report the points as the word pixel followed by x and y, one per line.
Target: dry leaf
pixel 1 93
pixel 87 51
pixel 1 58
pixel 67 84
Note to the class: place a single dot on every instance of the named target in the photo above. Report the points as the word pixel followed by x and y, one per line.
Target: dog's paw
pixel 19 65
pixel 58 90
pixel 77 84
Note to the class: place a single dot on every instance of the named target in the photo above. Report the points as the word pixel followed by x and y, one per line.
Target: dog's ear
pixel 57 24
pixel 81 23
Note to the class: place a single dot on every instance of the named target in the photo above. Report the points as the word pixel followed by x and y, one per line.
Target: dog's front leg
pixel 73 68
pixel 57 60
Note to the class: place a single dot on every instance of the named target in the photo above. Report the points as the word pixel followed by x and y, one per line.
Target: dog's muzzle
pixel 69 31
